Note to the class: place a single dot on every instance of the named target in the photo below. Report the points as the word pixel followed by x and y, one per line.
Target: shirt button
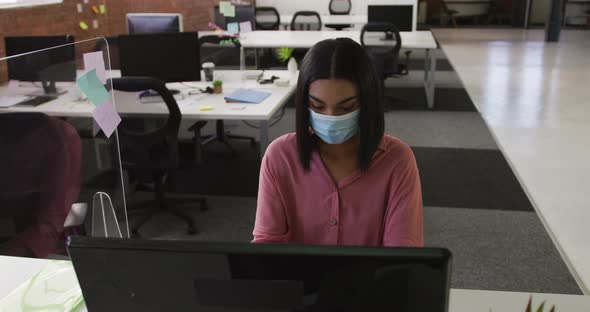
pixel 333 221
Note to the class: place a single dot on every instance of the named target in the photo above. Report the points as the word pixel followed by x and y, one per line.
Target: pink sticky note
pixel 94 60
pixel 245 27
pixel 106 117
pixel 12 85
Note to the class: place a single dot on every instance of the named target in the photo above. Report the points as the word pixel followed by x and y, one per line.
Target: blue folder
pixel 247 96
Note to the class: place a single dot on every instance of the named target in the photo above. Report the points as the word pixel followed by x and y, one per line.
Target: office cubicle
pixel 60 161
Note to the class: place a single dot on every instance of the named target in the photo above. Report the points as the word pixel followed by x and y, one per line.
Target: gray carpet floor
pixel 492 249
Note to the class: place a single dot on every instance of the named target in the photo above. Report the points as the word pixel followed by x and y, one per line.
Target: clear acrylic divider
pixel 59 148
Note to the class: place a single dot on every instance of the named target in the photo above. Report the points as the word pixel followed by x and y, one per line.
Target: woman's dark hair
pixel 341 58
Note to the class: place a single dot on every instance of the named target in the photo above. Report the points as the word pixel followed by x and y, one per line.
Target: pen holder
pixel 217 87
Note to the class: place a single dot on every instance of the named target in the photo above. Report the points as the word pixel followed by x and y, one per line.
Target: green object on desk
pixel 54 288
pixel 217 83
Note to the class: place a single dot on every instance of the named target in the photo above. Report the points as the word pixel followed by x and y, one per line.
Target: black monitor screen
pixel 153 23
pixel 131 275
pixel 399 15
pixel 243 14
pixel 168 57
pixel 57 64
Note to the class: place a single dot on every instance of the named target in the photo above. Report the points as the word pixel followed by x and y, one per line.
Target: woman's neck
pixel 342 151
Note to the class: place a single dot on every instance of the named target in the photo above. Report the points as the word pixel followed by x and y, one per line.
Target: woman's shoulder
pixel 396 150
pixel 283 148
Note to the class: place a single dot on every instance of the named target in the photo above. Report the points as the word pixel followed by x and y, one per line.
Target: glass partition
pixel 58 145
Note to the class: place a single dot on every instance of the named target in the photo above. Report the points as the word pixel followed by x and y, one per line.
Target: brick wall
pixel 58 19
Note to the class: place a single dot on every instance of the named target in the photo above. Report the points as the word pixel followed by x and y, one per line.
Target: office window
pixel 6 4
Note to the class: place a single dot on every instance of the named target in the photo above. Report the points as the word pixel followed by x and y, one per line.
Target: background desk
pixel 128 104
pixel 306 39
pixel 15 271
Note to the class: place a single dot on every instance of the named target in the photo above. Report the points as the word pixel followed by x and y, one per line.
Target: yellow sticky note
pixel 95 9
pixel 83 25
pixel 103 9
pixel 205 107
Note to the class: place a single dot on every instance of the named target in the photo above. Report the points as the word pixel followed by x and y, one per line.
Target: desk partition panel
pixel 60 164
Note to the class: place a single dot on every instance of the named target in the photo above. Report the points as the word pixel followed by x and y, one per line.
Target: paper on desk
pixel 227 9
pixel 83 26
pixel 245 27
pixel 7 101
pixel 232 28
pixel 79 7
pixel 90 85
pixel 103 9
pixel 54 288
pixel 106 117
pixel 95 60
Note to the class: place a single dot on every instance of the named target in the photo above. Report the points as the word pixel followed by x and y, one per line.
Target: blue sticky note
pixel 232 28
pixel 90 84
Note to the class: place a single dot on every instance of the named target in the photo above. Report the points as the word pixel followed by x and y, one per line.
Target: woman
pixel 339 180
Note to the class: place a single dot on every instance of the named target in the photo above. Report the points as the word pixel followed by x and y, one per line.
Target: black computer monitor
pixel 399 15
pixel 171 57
pixel 48 66
pixel 243 14
pixel 159 275
pixel 148 23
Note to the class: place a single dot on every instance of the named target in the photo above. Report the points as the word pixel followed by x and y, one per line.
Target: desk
pixel 127 103
pixel 15 271
pixel 306 39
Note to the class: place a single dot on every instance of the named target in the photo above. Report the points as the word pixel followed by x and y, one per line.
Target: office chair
pixel 152 157
pixel 339 7
pixel 386 58
pixel 306 20
pixel 220 134
pixel 267 18
pixel 447 14
pixel 40 165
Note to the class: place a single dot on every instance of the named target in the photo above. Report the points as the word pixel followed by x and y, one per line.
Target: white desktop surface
pixel 306 39
pixel 533 96
pixel 127 103
pixel 14 271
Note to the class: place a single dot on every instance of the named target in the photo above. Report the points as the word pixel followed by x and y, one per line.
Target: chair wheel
pixel 191 230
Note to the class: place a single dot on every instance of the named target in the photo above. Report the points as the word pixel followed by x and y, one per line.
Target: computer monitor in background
pixel 170 57
pixel 164 275
pixel 47 67
pixel 399 15
pixel 243 13
pixel 146 23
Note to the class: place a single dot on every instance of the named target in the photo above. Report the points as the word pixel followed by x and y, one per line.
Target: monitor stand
pixel 388 37
pixel 49 89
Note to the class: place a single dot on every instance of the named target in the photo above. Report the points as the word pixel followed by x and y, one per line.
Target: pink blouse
pixel 379 207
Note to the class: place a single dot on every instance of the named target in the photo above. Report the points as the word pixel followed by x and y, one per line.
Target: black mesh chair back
pixel 340 7
pixel 152 151
pixel 267 18
pixel 306 20
pixel 384 54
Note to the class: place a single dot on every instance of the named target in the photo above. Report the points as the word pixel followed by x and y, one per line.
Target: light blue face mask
pixel 335 129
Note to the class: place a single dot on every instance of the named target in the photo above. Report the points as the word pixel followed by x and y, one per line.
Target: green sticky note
pixel 93 88
pixel 103 9
pixel 232 28
pixel 227 9
pixel 83 25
